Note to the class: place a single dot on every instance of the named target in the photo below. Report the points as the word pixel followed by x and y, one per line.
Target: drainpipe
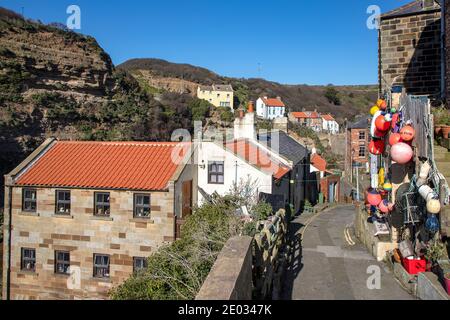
pixel 443 60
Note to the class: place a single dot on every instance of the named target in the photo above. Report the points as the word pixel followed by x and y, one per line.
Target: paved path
pixel 327 266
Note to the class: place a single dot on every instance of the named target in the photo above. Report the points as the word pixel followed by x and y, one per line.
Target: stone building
pixel 81 217
pixel 357 150
pixel 410 49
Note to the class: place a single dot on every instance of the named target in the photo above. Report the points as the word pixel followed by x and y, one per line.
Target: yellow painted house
pixel 217 95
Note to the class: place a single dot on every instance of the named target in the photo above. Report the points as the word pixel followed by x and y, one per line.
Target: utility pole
pixel 357 183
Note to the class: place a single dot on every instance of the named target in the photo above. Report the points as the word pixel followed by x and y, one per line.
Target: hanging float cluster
pixel 392 138
pixel 387 130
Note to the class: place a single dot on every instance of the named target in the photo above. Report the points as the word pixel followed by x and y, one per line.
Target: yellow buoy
pixel 381 178
pixel 374 110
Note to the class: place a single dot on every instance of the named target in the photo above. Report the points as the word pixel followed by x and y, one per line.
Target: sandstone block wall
pixel 82 234
pixel 410 52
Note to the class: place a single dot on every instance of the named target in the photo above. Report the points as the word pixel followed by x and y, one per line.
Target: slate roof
pixel 218 87
pixel 414 7
pixel 105 165
pixel 361 123
pixel 288 147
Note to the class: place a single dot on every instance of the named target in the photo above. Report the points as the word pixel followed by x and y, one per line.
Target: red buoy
pixel 376 147
pixel 395 138
pixel 374 198
pixel 381 124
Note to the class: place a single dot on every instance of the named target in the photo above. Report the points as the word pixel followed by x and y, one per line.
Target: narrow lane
pixel 330 264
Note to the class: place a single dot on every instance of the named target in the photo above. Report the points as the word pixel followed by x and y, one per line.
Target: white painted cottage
pixel 270 108
pixel 329 124
pixel 222 165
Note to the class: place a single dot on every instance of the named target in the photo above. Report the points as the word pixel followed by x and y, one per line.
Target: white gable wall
pixel 209 152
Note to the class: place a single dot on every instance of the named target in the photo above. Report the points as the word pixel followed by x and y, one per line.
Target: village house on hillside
pixel 217 95
pixel 310 119
pixel 270 108
pixel 98 209
pixel 329 124
pixel 410 48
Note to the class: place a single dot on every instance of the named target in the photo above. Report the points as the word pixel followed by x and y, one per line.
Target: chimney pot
pixel 251 107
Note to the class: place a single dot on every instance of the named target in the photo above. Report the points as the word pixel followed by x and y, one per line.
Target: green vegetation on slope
pixel 177 271
pixel 341 101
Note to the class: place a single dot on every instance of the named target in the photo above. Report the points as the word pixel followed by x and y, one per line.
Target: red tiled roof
pixel 319 162
pixel 272 102
pixel 105 165
pixel 257 157
pixel 306 115
pixel 328 117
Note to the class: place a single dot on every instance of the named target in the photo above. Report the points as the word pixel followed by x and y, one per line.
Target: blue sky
pixel 295 41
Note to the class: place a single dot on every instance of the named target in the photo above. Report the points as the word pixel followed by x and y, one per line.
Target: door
pixel 186 199
pixel 331 193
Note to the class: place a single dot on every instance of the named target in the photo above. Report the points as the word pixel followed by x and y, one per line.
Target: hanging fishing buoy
pixel 376 147
pixel 374 110
pixel 381 124
pixel 381 177
pixel 388 118
pixel 432 223
pixel 373 198
pixel 382 104
pixel 401 153
pixel 407 133
pixel 434 206
pixel 387 186
pixel 394 138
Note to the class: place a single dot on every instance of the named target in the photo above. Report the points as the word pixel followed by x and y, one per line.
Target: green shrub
pixel 226 115
pixel 332 96
pixel 200 109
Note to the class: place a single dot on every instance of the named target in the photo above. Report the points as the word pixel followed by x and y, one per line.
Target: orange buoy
pixel 376 147
pixel 395 138
pixel 407 133
pixel 382 104
pixel 381 124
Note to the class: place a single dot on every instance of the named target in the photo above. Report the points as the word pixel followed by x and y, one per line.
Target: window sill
pixel 29 214
pixel 28 273
pixel 103 280
pixel 63 216
pixel 146 220
pixel 62 275
pixel 99 218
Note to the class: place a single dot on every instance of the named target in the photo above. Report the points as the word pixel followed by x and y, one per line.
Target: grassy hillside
pixel 348 101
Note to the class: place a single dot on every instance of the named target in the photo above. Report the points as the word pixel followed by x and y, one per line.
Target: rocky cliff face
pixel 63 84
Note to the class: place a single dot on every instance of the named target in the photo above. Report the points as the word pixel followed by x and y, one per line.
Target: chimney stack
pixel 251 107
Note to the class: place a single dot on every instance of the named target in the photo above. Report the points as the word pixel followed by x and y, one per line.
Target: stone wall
pixel 410 52
pixel 447 52
pixel 231 276
pixel 82 234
